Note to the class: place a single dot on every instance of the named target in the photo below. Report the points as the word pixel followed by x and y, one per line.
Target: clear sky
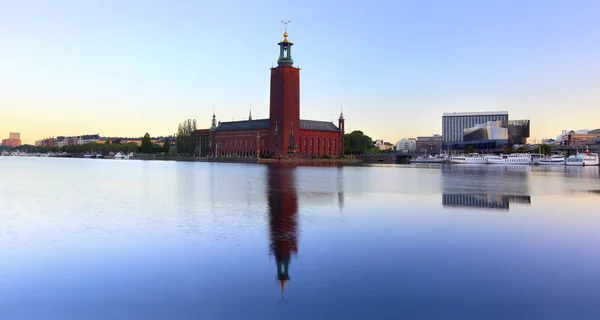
pixel 123 68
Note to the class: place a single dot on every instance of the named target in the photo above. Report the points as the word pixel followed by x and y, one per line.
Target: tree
pixel 146 144
pixel 545 149
pixel 357 142
pixel 469 149
pixel 186 137
pixel 166 146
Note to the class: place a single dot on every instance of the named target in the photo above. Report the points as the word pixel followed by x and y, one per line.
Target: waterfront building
pixel 89 138
pixel 14 140
pixel 454 124
pixel 578 139
pixel 518 131
pixel 383 145
pixel 483 130
pixel 429 144
pixel 406 145
pixel 283 133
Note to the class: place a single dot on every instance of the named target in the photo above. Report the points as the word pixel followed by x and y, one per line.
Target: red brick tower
pixel 284 114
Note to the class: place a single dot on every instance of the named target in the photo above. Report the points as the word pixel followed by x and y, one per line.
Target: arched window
pixel 305 148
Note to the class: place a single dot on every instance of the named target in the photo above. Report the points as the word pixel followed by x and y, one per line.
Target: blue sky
pixel 123 68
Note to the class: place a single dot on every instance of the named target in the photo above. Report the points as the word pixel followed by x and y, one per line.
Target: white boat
pixel 510 159
pixel 119 155
pixel 430 159
pixel 554 159
pixel 583 159
pixel 88 155
pixel 99 155
pixel 472 158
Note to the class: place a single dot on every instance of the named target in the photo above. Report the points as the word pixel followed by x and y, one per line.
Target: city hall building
pixel 283 134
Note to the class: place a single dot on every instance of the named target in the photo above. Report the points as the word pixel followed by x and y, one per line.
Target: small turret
pixel 213 122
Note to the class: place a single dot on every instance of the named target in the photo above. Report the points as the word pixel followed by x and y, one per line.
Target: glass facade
pixel 454 124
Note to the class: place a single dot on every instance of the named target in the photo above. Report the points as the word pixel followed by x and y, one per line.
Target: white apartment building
pixel 406 145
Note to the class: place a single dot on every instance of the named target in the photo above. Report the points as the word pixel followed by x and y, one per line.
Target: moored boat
pixel 583 159
pixel 510 159
pixel 472 158
pixel 554 159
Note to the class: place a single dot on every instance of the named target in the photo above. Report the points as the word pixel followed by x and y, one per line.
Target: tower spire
pixel 285 34
pixel 341 113
pixel 285 49
pixel 250 116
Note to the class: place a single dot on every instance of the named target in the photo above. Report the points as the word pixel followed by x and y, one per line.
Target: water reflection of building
pixel 482 200
pixel 485 186
pixel 283 209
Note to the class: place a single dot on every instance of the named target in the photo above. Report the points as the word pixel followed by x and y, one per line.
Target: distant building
pixel 491 130
pixel 483 130
pixel 14 140
pixel 430 144
pixel 548 141
pixel 89 138
pixel 406 145
pixel 518 131
pixel 382 145
pixel 578 139
pixel 454 124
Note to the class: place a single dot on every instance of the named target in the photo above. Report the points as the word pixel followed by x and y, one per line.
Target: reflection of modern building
pixel 483 200
pixel 283 208
pixel 485 186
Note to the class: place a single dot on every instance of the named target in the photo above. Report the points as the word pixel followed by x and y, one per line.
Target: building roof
pixel 243 125
pixel 595 131
pixel 264 124
pixel 318 125
pixel 484 113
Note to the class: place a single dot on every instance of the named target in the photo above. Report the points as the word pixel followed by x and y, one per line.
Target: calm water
pixel 110 239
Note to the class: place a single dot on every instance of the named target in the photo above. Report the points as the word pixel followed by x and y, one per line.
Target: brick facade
pixel 284 133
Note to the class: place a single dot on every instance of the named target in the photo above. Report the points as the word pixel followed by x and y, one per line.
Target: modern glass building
pixel 454 124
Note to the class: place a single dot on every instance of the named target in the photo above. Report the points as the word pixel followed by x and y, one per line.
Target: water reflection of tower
pixel 340 187
pixel 283 208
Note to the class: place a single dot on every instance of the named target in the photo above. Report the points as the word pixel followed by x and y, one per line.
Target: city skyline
pixel 123 69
